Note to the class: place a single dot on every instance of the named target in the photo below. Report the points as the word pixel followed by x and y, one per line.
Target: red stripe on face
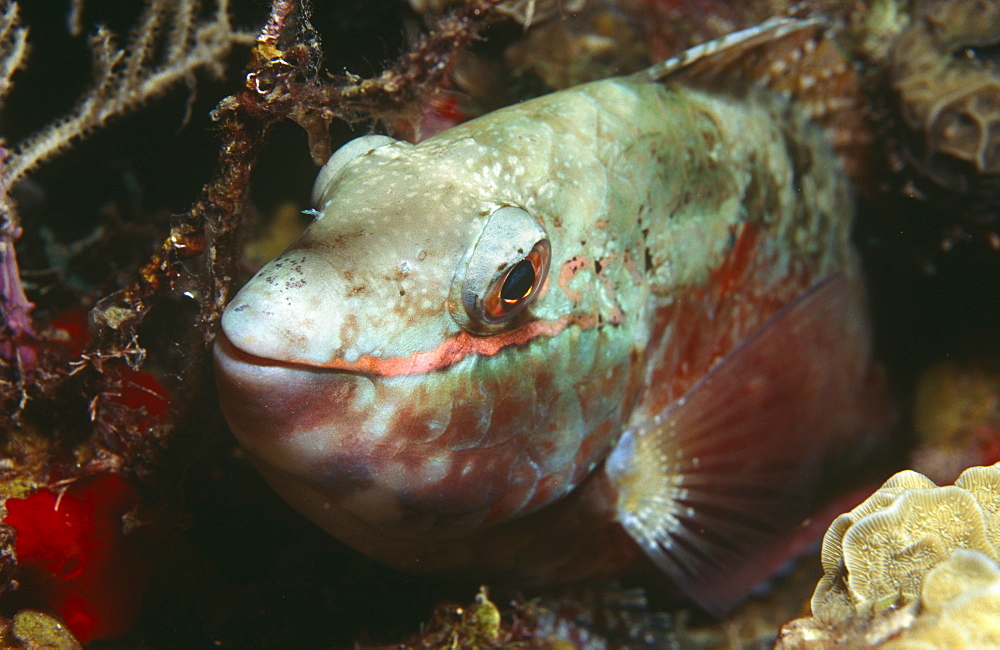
pixel 453 350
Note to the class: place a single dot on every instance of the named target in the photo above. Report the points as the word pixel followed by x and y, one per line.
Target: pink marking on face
pixel 609 284
pixel 452 350
pixel 632 268
pixel 568 271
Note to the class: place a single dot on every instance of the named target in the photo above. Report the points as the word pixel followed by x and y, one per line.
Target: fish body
pixel 479 358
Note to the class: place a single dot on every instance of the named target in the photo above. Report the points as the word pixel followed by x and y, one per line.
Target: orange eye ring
pixel 505 272
pixel 515 287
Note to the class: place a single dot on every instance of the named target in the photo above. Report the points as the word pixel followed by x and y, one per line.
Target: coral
pixel 525 12
pixel 600 617
pixel 33 630
pixel 959 606
pixel 606 615
pixel 14 304
pixel 872 28
pixel 477 626
pixel 8 557
pixel 597 41
pixel 929 69
pixel 876 556
pixel 166 48
pixel 13 45
pixel 949 88
pixel 914 562
pixel 75 556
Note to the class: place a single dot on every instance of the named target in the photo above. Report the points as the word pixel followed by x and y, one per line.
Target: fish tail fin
pixel 719 487
pixel 795 58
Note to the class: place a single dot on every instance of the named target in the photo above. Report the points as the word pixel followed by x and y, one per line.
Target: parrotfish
pixel 617 323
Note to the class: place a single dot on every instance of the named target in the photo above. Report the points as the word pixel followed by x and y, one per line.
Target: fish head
pixel 401 370
pixel 368 281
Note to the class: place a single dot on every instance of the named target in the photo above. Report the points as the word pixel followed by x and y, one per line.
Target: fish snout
pixel 291 311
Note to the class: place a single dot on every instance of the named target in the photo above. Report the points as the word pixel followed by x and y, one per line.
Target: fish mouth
pixel 234 359
pixel 330 442
pixel 279 410
pixel 244 377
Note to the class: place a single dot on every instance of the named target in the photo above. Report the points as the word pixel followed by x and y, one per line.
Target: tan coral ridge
pixel 915 565
pixel 949 89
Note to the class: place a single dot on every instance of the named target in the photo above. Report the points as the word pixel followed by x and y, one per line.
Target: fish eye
pixel 514 287
pixel 505 271
pixel 518 283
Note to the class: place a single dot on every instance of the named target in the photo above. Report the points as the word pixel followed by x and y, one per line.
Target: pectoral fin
pixel 715 487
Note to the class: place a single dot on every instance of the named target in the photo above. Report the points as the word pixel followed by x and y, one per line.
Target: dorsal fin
pixel 711 57
pixel 795 58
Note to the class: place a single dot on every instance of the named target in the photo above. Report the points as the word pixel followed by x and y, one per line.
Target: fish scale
pixel 683 356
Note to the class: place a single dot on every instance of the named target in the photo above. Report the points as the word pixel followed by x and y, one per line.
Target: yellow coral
pixel 952 400
pixel 959 605
pixel 35 630
pixel 914 566
pixel 879 554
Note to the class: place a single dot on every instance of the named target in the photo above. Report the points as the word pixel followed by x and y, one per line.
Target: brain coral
pixel 915 565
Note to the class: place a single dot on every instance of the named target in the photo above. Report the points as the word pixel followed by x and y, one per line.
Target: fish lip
pixel 225 347
pixel 232 354
pixel 277 410
pixel 253 389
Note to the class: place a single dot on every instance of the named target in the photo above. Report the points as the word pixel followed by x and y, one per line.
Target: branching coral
pixel 15 305
pixel 13 45
pixel 167 46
